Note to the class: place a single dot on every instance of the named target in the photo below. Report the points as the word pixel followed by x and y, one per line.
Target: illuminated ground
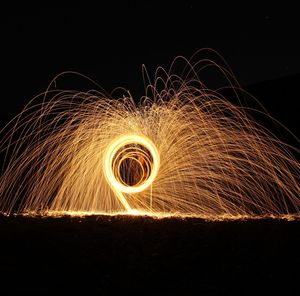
pixel 144 254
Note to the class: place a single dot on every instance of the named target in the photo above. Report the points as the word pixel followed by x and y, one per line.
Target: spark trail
pixel 183 149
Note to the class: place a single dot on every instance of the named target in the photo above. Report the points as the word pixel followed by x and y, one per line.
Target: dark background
pixel 109 43
pixel 146 256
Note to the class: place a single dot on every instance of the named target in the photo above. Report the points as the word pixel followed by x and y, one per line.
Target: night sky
pixel 110 43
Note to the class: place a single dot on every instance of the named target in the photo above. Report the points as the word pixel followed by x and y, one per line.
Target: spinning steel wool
pixel 183 149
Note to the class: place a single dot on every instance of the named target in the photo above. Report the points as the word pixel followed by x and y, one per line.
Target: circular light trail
pixel 139 156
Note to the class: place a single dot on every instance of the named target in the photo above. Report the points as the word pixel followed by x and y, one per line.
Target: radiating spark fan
pixel 183 149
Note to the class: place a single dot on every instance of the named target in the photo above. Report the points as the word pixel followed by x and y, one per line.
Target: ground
pixel 146 255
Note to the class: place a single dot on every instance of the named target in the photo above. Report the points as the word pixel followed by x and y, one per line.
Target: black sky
pixel 110 44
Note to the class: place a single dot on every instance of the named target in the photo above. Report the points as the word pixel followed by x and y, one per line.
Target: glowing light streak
pixel 110 174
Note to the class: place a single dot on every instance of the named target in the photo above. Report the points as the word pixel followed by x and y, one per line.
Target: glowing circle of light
pixel 109 173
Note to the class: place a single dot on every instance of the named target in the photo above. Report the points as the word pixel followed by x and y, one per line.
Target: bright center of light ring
pixel 109 164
